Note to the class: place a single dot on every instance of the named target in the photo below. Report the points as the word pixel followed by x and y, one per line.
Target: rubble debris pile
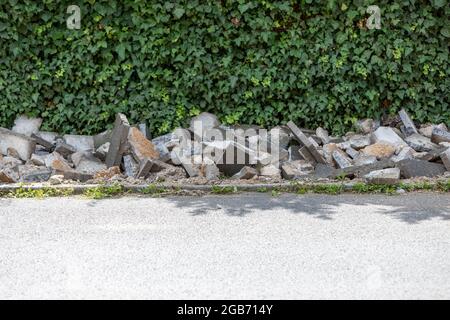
pixel 211 151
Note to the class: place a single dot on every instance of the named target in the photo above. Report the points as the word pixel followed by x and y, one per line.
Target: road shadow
pixel 410 208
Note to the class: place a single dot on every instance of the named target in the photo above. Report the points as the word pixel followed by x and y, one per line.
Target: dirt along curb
pixel 97 191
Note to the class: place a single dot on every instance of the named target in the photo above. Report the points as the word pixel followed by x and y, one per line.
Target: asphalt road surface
pixel 247 246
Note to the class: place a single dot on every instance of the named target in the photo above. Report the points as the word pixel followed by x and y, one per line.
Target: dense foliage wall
pixel 258 62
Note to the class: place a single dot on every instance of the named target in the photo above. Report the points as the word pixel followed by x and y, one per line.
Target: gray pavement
pixel 247 246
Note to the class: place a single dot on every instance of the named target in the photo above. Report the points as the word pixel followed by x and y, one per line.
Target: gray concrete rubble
pixel 209 151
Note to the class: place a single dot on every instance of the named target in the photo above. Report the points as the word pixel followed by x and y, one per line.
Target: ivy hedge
pixel 257 62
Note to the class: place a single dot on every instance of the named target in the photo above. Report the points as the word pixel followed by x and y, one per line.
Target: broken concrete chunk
pixel 296 169
pixel 323 135
pixel 108 173
pixel 48 136
pixel 301 137
pixel 102 151
pixel 23 144
pixel 405 153
pixel 328 152
pixel 41 141
pixel 130 166
pixel 431 155
pixel 77 176
pixel 427 129
pixel 411 168
pixel 144 168
pixel 420 143
pixel 269 171
pixel 64 149
pixel 11 152
pixel 145 131
pixel 379 150
pixel 31 173
pixel 323 171
pixel 245 173
pixel 140 146
pixel 389 136
pixel 294 153
pixel 352 153
pixel 56 179
pixel 445 157
pixel 102 138
pixel 364 160
pixel 359 142
pixel 85 161
pixel 118 141
pixel 209 170
pixel 409 127
pixel 26 126
pixel 439 135
pixel 384 176
pixel 79 142
pixel 341 159
pixel 38 160
pixel 8 176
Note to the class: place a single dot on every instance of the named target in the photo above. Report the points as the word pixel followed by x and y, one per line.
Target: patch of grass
pixel 153 190
pixel 374 188
pixel 444 186
pixel 262 190
pixel 275 192
pixel 223 190
pixel 101 192
pixel 328 188
pixel 44 192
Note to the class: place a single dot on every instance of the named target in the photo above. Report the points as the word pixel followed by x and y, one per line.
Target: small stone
pixel 270 171
pixel 366 126
pixel 420 143
pixel 365 160
pixel 379 150
pixel 64 149
pixel 384 176
pixel 296 169
pixel 209 170
pixel 27 126
pixel 38 159
pixel 405 153
pixel 352 153
pixel 31 173
pixel 102 151
pixel 11 152
pixel 7 176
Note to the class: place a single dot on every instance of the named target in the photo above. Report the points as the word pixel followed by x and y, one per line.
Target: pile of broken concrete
pixel 212 152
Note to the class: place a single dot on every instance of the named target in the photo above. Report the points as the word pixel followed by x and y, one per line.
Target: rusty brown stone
pixel 107 173
pixel 379 150
pixel 140 146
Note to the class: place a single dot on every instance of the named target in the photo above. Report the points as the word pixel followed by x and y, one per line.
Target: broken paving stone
pixel 411 168
pixel 209 170
pixel 38 160
pixel 427 129
pixel 11 152
pixel 245 173
pixel 102 151
pixel 41 141
pixel 48 136
pixel 429 156
pixel 364 160
pixel 102 138
pixel 445 157
pixel 144 168
pixel 26 126
pixel 328 152
pixel 76 175
pixel 389 136
pixel 64 149
pixel 269 171
pixel 10 162
pixel 79 142
pixel 323 135
pixel 301 137
pixel 405 153
pixel 384 176
pixel 23 144
pixel 140 146
pixel 118 141
pixel 294 154
pixel 352 153
pixel 306 155
pixel 420 143
pixel 85 161
pixel 341 159
pixel 379 150
pixel 359 142
pixel 439 135
pixel 130 166
pixel 409 127
pixel 296 169
pixel 324 171
pixel 30 173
